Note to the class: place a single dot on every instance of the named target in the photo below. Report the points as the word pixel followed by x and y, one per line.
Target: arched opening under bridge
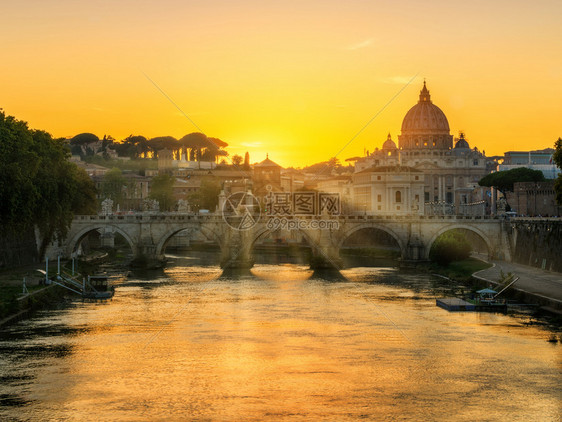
pixel 480 245
pixel 190 246
pixel 371 247
pixel 106 243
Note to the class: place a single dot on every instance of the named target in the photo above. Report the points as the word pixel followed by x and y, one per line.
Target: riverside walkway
pixel 537 282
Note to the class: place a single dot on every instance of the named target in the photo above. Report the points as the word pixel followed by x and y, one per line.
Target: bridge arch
pixel 80 235
pixel 389 231
pixel 265 231
pixel 208 232
pixel 450 227
pixel 317 247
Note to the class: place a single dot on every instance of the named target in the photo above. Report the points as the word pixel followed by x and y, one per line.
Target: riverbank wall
pixel 38 299
pixel 546 303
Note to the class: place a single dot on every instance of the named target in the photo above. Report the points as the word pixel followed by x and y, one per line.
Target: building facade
pixel 535 160
pixel 534 199
pixel 447 168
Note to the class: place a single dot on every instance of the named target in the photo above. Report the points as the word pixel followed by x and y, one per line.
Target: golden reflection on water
pixel 281 344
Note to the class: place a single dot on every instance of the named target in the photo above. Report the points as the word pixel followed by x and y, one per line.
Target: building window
pixel 398 207
pixel 379 198
pixel 449 197
pixel 426 196
pixel 417 177
pixel 379 208
pixel 475 162
pixel 424 143
pixel 417 198
pixel 398 196
pixel 434 143
pixel 378 178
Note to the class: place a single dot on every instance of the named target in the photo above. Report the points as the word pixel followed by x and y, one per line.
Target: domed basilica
pixel 427 167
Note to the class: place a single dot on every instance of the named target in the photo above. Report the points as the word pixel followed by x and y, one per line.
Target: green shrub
pixel 450 246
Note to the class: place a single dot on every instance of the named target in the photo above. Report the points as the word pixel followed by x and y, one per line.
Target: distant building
pixel 447 169
pixel 536 160
pixel 134 191
pixel 534 199
pixel 183 188
pixel 166 163
pixel 342 185
pixel 93 170
pixel 390 190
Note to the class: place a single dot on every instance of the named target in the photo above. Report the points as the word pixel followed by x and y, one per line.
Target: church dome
pixel 389 143
pixel 425 118
pixel 461 143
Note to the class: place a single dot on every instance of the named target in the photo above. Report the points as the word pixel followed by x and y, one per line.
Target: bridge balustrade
pixel 219 218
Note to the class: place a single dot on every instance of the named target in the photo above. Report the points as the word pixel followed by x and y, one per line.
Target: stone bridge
pixel 148 234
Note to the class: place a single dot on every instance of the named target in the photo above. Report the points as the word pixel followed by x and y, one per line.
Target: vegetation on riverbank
pixel 39 187
pixel 451 246
pixel 11 286
pixel 458 270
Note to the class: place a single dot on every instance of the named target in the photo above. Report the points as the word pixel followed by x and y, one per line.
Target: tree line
pixel 194 146
pixel 39 187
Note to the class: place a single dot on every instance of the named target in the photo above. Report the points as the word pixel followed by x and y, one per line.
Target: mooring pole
pixel 47 270
pixel 72 265
pixel 58 265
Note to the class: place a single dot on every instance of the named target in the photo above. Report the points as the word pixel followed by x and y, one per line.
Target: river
pixel 281 343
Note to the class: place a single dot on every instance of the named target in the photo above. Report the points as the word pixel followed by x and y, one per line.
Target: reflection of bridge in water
pixel 148 234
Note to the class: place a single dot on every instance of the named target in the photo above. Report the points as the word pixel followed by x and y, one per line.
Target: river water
pixel 281 343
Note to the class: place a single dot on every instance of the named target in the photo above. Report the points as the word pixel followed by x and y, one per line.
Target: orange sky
pixel 297 79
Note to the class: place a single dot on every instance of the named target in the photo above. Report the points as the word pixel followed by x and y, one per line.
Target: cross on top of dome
pixel 424 94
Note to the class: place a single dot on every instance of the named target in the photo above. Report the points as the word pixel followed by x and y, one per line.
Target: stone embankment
pixel 534 285
pixel 37 299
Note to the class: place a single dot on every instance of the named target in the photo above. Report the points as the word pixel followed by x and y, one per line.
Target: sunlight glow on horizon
pixel 294 80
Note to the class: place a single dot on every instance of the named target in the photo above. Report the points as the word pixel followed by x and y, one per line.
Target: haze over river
pixel 278 344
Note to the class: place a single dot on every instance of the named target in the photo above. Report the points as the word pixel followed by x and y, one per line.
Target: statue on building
pixel 150 205
pixel 502 204
pixel 183 205
pixel 107 206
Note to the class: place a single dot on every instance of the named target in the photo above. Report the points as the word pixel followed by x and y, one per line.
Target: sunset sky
pixel 296 79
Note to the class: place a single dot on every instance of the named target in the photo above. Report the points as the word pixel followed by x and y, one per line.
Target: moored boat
pixel 99 288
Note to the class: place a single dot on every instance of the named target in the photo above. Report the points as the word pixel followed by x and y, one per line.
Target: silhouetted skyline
pixel 297 80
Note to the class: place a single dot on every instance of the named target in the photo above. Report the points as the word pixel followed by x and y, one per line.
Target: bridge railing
pixel 148 217
pixel 534 219
pixel 175 217
pixel 420 217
